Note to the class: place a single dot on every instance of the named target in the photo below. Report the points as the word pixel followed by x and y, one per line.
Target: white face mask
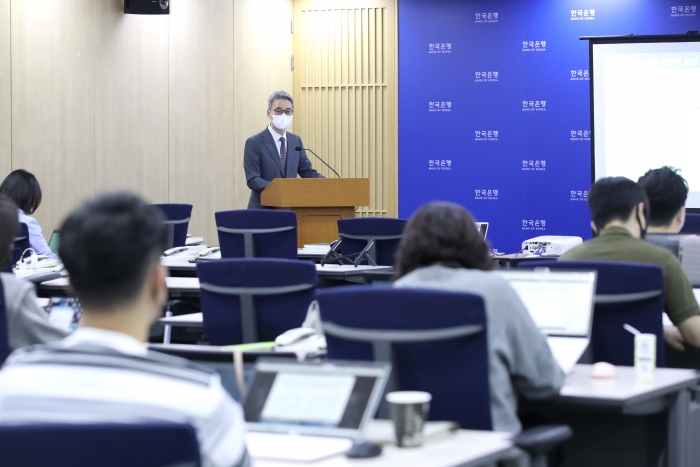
pixel 282 122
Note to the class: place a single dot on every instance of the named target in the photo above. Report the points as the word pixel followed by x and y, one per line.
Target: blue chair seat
pixel 367 240
pixel 177 218
pixel 257 233
pixel 103 445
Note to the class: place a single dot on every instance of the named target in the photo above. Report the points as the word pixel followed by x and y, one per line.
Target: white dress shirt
pixel 36 239
pixel 276 137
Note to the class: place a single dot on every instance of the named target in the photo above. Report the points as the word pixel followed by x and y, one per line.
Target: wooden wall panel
pixel 53 100
pixel 345 85
pixel 5 91
pixel 131 101
pixel 201 110
pixel 261 64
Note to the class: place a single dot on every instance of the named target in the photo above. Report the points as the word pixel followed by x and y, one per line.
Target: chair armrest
pixel 542 439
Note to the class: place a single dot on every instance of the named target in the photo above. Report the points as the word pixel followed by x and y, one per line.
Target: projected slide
pixel 647 110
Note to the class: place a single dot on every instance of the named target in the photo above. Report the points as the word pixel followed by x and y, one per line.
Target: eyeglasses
pixel 279 111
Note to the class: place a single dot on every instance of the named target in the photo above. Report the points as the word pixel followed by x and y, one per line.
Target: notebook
pixel 309 411
pixel 561 304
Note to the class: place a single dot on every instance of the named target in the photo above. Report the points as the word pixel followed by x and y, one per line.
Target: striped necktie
pixel 283 156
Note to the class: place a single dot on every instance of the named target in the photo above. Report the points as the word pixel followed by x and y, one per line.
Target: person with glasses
pixel 273 153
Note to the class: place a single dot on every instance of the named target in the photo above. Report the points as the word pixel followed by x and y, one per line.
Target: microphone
pixel 298 148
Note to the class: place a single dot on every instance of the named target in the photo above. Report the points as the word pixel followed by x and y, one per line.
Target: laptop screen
pixel 560 302
pixel 331 398
pixel 483 229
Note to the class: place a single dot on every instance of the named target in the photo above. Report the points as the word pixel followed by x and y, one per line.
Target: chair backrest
pixel 257 233
pixel 435 340
pixel 356 233
pixel 4 338
pixel 177 218
pixel 104 445
pixel 21 243
pixel 629 293
pixel 254 300
pixel 692 224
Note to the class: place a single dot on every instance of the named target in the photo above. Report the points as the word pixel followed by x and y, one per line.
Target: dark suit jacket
pixel 262 163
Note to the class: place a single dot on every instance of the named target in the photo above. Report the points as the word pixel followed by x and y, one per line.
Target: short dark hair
pixel 23 188
pixel 614 198
pixel 444 233
pixel 9 226
pixel 667 191
pixel 108 245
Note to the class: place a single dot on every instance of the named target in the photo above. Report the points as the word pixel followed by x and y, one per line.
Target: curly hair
pixel 442 233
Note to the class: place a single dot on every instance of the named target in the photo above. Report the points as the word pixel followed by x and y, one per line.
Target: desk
pixel 188 320
pixel 512 260
pixel 333 272
pixel 622 395
pixel 177 286
pixel 464 448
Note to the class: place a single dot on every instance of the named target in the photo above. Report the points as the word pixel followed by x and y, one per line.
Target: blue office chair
pixel 631 293
pixel 177 218
pixel 692 224
pixel 435 341
pixel 104 445
pixel 21 244
pixel 4 338
pixel 257 233
pixel 369 240
pixel 254 300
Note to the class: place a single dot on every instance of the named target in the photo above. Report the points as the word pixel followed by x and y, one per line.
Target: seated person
pixel 103 372
pixel 667 192
pixel 23 188
pixel 619 209
pixel 27 322
pixel 442 248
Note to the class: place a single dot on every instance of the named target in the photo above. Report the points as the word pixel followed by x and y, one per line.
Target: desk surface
pixel 464 448
pixel 622 390
pixel 174 283
pixel 191 319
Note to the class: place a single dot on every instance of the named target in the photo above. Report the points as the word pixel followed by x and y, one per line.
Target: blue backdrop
pixel 494 105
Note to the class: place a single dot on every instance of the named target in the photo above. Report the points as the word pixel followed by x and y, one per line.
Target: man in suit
pixel 271 153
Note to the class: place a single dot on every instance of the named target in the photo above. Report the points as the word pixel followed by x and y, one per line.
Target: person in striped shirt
pixel 103 372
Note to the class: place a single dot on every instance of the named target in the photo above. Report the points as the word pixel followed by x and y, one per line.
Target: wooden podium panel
pixel 318 203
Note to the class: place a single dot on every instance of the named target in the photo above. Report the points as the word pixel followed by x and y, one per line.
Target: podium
pixel 318 203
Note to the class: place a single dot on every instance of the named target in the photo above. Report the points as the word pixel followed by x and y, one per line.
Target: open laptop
pixel 689 257
pixel 561 305
pixel 671 242
pixel 483 229
pixel 308 411
pixel 54 241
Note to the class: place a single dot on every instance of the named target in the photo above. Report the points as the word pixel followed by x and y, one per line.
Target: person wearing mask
pixel 103 372
pixel 442 249
pixel 619 212
pixel 27 322
pixel 272 153
pixel 667 191
pixel 23 188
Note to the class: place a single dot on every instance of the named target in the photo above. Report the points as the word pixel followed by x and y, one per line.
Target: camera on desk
pixel 550 245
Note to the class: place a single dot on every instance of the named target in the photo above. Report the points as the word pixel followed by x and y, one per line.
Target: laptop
pixel 483 229
pixel 309 411
pixel 54 241
pixel 561 305
pixel 670 242
pixel 689 257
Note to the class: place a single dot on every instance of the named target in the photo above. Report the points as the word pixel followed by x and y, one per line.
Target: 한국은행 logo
pixel 681 11
pixel 534 166
pixel 580 135
pixel 486 195
pixel 582 15
pixel 534 106
pixel 534 224
pixel 439 106
pixel 579 195
pixel 485 135
pixel 491 17
pixel 580 75
pixel 534 46
pixel 440 48
pixel 439 164
pixel 486 77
